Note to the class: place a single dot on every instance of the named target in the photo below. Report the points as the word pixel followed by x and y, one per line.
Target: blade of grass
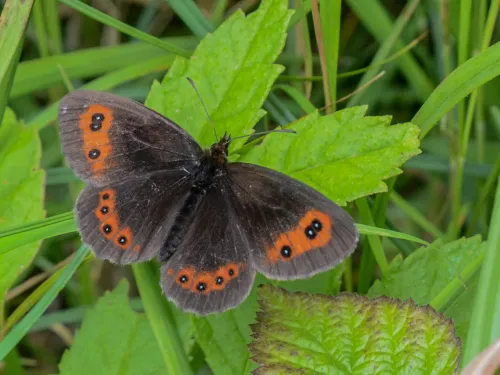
pixel 375 17
pixel 13 23
pixel 385 48
pixel 192 16
pixel 484 327
pixel 161 320
pixel 330 16
pixel 41 34
pixel 371 230
pixel 297 95
pixel 23 327
pixel 44 73
pixel 374 241
pixel 32 232
pixel 53 24
pixel 124 28
pixel 415 215
pixel 321 48
pixel 106 82
pixel 460 83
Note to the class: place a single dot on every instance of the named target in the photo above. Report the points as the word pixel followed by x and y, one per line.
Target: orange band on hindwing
pixel 206 281
pixel 313 231
pixel 95 124
pixel 110 226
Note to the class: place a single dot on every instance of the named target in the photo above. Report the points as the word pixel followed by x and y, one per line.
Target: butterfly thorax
pixel 211 168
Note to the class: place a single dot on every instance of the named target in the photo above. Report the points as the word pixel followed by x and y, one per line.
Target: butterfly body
pixel 152 191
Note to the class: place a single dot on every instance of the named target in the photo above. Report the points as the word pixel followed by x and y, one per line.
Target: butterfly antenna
pixel 204 106
pixel 290 131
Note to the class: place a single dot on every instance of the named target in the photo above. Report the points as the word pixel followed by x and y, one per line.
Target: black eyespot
pixel 183 279
pixel 231 272
pixel 104 209
pixel 310 233
pixel 107 229
pixel 95 126
pixel 201 287
pixel 105 196
pixel 97 117
pixel 122 240
pixel 317 225
pixel 219 280
pixel 286 251
pixel 94 153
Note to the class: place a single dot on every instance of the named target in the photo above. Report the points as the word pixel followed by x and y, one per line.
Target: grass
pixel 440 70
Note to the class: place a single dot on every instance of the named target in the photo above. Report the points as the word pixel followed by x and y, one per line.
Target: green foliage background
pixel 412 153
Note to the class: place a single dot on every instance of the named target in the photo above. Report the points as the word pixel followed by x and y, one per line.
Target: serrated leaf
pixel 424 274
pixel 299 333
pixel 214 332
pixel 233 70
pixel 113 339
pixel 344 155
pixel 21 193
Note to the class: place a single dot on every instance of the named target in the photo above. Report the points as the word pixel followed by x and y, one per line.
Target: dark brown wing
pixel 293 230
pixel 106 138
pixel 210 270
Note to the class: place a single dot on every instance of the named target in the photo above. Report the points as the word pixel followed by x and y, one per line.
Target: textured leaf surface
pixel 114 339
pixel 424 274
pixel 344 155
pixel 213 333
pixel 233 70
pixel 21 193
pixel 298 333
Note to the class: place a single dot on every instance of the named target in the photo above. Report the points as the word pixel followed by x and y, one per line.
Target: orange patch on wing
pixel 106 206
pixel 187 273
pixel 124 238
pixel 136 248
pixel 297 240
pixel 110 224
pixel 96 142
pixel 207 280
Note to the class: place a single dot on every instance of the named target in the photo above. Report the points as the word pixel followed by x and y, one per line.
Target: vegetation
pixel 396 109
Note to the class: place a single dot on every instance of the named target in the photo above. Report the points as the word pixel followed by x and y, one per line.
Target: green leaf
pixel 215 331
pixel 13 22
pixel 22 192
pixel 114 339
pixel 299 333
pixel 344 155
pixel 233 70
pixel 426 272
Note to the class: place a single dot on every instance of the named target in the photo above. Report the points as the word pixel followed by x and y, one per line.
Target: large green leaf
pixel 299 333
pixel 233 70
pixel 344 155
pixel 425 273
pixel 21 193
pixel 114 339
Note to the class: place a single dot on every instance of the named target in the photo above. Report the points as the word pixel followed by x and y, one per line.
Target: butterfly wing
pixel 293 230
pixel 210 271
pixel 140 167
pixel 106 137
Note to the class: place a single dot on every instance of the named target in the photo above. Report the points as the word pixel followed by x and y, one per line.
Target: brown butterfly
pixel 153 191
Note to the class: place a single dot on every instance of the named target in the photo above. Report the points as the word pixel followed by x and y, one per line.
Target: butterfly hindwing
pixel 106 138
pixel 293 230
pixel 211 270
pixel 127 222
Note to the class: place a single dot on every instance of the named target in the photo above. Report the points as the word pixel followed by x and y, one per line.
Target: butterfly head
pixel 219 150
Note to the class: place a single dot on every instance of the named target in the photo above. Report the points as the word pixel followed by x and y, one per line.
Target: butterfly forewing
pixel 107 138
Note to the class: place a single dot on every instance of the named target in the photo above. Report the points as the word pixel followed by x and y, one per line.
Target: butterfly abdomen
pixel 204 180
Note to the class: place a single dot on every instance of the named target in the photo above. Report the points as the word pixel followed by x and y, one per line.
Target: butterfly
pixel 153 191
